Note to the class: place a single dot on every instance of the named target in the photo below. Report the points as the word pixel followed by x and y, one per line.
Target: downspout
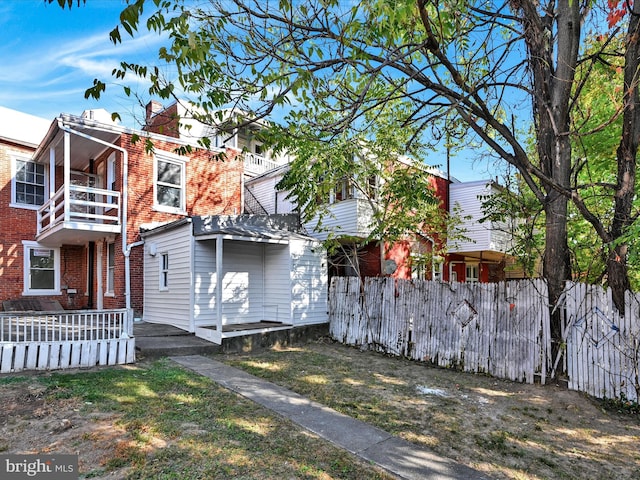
pixel 126 249
pixel 127 274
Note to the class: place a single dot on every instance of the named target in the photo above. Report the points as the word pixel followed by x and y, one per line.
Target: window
pixel 437 268
pixel 169 182
pixel 344 190
pixel 41 269
pixel 164 271
pixel 472 273
pixel 418 266
pixel 372 187
pixel 111 176
pixel 111 267
pixel 29 183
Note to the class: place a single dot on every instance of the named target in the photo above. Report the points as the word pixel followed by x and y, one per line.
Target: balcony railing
pixel 87 205
pixel 256 164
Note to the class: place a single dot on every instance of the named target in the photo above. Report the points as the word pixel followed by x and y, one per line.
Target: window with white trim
pixel 418 266
pixel 437 266
pixel 28 183
pixel 111 176
pixel 472 273
pixel 41 269
pixel 111 267
pixel 344 190
pixel 169 182
pixel 164 271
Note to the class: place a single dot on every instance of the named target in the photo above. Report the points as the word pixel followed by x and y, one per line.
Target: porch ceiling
pixel 483 255
pixel 76 233
pixel 82 149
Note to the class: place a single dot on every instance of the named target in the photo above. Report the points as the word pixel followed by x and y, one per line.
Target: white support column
pixel 67 175
pixel 219 277
pixel 52 186
pixel 52 172
pixel 99 286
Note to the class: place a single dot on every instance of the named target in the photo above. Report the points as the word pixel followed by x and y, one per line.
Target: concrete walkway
pixel 398 457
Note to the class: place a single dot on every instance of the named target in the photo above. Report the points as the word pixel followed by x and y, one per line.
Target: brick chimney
pixel 152 109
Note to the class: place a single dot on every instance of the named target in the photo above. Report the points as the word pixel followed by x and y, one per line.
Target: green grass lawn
pixel 178 425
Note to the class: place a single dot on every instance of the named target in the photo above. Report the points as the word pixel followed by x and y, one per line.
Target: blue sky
pixel 50 56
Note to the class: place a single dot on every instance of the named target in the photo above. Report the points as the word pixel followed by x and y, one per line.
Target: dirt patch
pixel 31 422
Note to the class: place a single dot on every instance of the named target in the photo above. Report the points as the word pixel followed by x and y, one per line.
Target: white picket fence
pixel 502 329
pixel 497 328
pixel 603 347
pixel 68 339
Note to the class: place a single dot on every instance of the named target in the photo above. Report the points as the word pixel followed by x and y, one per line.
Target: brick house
pixel 74 203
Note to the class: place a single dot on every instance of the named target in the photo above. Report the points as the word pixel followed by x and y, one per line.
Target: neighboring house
pixel 77 195
pixel 483 257
pixel 24 189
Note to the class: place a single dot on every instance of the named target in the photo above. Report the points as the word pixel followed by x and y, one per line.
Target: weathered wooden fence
pixel 57 340
pixel 497 328
pixel 603 348
pixel 501 329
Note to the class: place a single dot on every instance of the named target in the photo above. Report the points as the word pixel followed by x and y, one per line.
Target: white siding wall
pixel 284 204
pixel 264 189
pixel 342 219
pixel 242 282
pixel 205 283
pixel 272 200
pixel 277 285
pixel 465 196
pixel 309 279
pixel 170 306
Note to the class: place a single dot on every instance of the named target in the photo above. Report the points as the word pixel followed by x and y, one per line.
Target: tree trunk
pixel 556 263
pixel 617 274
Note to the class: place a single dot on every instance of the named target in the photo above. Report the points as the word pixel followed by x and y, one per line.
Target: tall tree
pixel 487 67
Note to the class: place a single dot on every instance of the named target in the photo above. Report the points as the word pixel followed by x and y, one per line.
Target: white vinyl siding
pixel 272 200
pixel 173 305
pixel 204 287
pixel 242 282
pixel 482 236
pixel 261 281
pixel 277 284
pixel 309 279
pixel 351 217
pixel 264 191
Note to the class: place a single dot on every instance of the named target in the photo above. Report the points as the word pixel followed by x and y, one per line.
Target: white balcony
pixel 255 164
pixel 78 214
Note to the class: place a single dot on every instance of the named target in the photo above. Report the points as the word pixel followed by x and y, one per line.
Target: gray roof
pixel 280 226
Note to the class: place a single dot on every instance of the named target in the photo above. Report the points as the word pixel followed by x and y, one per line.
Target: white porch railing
pixel 257 164
pixel 86 205
pixel 67 339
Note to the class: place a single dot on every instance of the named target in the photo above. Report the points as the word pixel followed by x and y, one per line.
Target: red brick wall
pixel 165 122
pixel 16 224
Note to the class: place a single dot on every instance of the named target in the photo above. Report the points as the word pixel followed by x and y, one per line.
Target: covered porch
pixel 82 203
pixel 244 275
